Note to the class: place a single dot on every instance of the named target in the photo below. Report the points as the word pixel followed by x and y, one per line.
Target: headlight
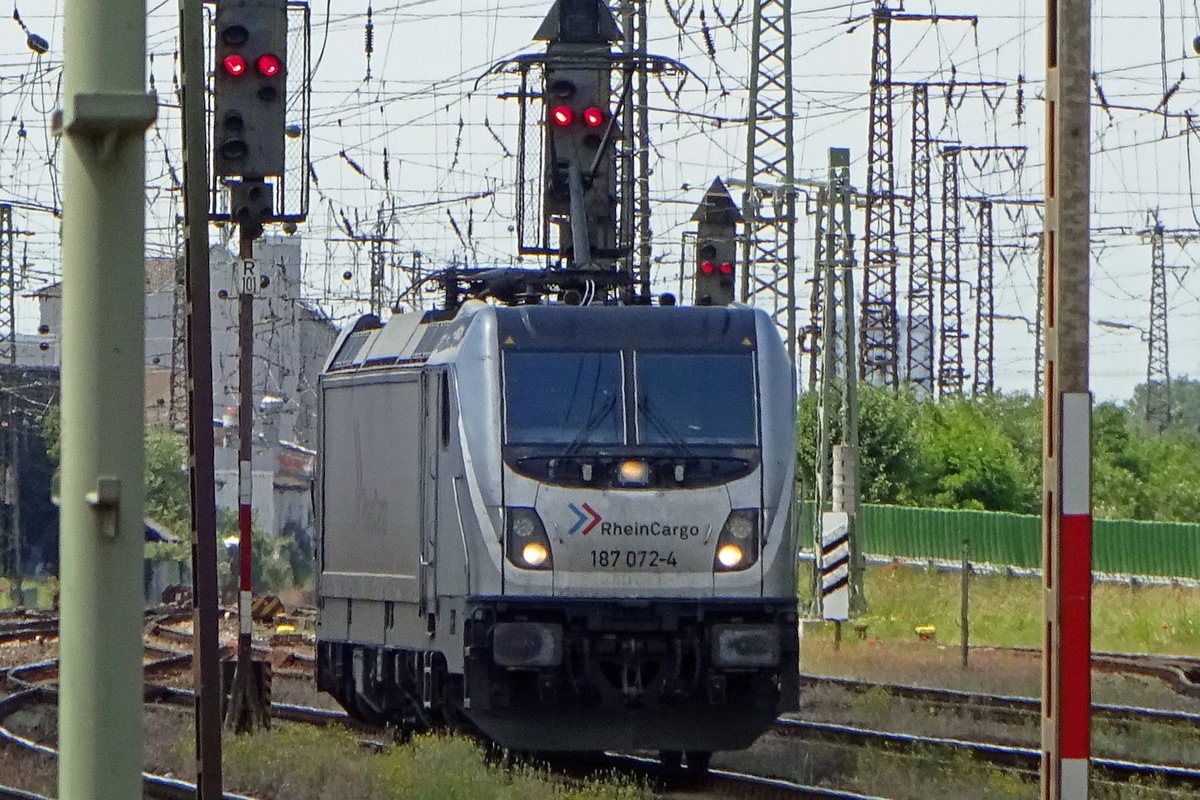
pixel 526 543
pixel 730 555
pixel 633 472
pixel 534 554
pixel 737 546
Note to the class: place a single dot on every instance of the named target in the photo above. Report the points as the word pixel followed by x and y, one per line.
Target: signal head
pixel 235 65
pixel 562 88
pixel 269 65
pixel 235 34
pixel 562 116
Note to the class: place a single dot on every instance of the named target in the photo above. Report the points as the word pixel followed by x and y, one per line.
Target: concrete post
pixel 1067 500
pixel 102 536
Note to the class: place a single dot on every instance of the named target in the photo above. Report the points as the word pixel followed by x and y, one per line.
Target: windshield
pixel 696 398
pixel 563 398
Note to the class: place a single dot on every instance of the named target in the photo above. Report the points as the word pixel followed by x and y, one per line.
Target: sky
pixel 413 141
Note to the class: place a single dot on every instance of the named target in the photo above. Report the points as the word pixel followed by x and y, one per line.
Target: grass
pixel 45 592
pixel 305 763
pixel 910 775
pixel 1007 612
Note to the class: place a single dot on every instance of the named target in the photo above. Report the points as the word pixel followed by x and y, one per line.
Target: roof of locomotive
pixel 410 339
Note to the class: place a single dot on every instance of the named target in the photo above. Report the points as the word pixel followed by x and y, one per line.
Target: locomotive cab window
pixel 698 398
pixel 567 398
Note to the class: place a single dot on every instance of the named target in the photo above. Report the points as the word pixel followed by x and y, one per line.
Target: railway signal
pixel 716 247
pixel 581 165
pixel 580 130
pixel 249 88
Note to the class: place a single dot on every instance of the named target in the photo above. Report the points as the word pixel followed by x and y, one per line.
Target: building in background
pixel 291 342
pixel 28 519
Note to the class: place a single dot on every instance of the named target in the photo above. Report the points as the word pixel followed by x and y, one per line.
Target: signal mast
pixel 573 221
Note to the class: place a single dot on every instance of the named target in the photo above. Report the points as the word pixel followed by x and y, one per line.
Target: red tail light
pixel 593 117
pixel 726 268
pixel 707 268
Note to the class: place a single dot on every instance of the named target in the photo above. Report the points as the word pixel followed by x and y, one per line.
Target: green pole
pixel 106 112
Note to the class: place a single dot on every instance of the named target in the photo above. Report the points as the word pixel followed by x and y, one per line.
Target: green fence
pixel 1168 549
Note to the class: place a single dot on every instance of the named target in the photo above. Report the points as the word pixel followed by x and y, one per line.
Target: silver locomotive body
pixel 568 528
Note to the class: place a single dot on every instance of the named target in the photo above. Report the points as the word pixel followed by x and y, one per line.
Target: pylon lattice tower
pixel 920 338
pixel 985 304
pixel 635 150
pixel 10 428
pixel 950 327
pixel 769 201
pixel 8 287
pixel 1039 319
pixel 1158 372
pixel 815 332
pixel 879 350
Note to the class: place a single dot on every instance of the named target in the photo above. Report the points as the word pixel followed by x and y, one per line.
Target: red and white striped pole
pixel 1067 501
pixel 245 455
pixel 245 710
pixel 1074 595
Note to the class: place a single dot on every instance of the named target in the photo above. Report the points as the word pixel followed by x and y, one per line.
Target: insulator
pixel 707 34
pixel 370 37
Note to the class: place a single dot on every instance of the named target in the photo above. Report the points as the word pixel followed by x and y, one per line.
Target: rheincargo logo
pixel 680 532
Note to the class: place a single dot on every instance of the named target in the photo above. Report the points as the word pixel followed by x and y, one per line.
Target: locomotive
pixel 565 528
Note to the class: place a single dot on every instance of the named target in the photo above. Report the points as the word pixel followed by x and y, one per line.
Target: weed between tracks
pixel 912 775
pixel 304 763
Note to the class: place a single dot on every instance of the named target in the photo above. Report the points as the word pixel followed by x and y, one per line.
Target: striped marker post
pixel 1074 596
pixel 1067 501
pixel 835 566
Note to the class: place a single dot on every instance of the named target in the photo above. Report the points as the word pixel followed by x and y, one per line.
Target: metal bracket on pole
pixel 106 118
pixel 106 500
pixel 579 229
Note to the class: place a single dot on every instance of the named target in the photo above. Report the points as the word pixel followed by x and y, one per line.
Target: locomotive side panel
pixel 371 502
pixel 778 399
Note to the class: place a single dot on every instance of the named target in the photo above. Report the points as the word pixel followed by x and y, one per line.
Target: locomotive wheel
pixel 698 762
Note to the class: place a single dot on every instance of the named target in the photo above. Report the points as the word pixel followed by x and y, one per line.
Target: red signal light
pixel 726 268
pixel 235 65
pixel 269 65
pixel 707 268
pixel 593 117
pixel 562 116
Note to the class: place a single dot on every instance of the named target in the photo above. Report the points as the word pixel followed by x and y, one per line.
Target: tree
pixel 973 463
pixel 168 490
pixel 888 463
pixel 1184 406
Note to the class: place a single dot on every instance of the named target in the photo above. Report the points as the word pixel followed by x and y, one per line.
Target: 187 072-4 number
pixel 633 559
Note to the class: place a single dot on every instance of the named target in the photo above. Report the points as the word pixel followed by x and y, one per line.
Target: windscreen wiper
pixel 668 432
pixel 590 426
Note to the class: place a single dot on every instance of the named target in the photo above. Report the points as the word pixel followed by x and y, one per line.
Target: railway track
pixel 1002 707
pixel 28 683
pixel 1025 759
pixel 728 783
pixel 1181 673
